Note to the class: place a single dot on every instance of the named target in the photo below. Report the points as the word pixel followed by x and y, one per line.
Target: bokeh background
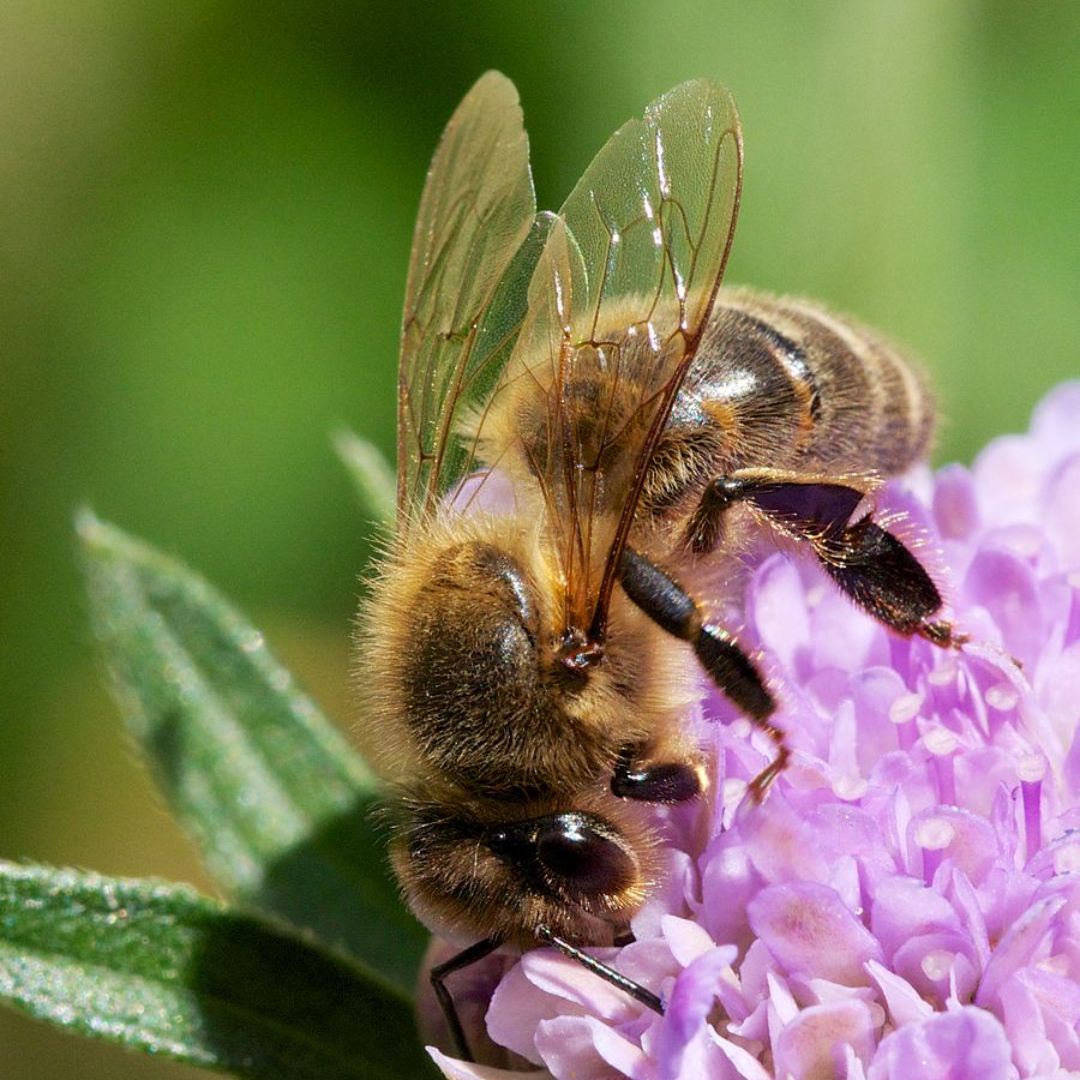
pixel 205 216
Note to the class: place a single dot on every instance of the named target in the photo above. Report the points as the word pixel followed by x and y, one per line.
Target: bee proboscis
pixel 586 420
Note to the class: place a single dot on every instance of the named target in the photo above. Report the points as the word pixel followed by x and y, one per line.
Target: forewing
pixel 476 211
pixel 617 306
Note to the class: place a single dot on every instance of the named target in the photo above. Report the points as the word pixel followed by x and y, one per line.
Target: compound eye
pixel 578 853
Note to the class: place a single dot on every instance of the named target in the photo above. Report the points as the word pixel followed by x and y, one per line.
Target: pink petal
pixel 703 1057
pixel 905 1004
pixel 728 883
pixel 1058 999
pixel 969 910
pixel 1053 423
pixel 1058 686
pixel 955 508
pixel 688 1007
pixel 968 1044
pixel 1008 473
pixel 746 1065
pixel 564 978
pixel 939 965
pixel 517 1008
pixel 453 1069
pixel 1023 944
pixel 649 963
pixel 1027 1032
pixel 812 1046
pixel 1063 513
pixel 874 691
pixel 780 842
pixel 949 832
pixel 784 625
pixel 584 1048
pixel 843 639
pixel 687 940
pixel 1005 586
pixel 810 932
pixel 904 907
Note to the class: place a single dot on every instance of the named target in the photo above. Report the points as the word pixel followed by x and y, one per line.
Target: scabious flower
pixel 906 901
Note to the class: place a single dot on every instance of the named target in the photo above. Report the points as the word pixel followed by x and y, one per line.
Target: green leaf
pixel 278 802
pixel 159 968
pixel 372 476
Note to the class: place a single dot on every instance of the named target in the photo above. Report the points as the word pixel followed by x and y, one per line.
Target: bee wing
pixel 617 306
pixel 476 211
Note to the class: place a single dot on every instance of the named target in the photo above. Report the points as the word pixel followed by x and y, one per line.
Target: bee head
pixel 463 661
pixel 575 872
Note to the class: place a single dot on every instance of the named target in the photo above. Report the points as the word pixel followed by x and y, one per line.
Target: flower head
pixel 906 901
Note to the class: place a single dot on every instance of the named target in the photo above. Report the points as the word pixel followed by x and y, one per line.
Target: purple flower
pixel 906 902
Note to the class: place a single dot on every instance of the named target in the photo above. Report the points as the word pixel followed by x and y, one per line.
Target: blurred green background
pixel 205 216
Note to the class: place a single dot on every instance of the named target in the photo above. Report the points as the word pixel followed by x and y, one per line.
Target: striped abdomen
pixel 781 383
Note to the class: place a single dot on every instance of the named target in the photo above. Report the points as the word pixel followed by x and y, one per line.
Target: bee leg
pixel 605 971
pixel 867 562
pixel 881 575
pixel 438 975
pixel 655 782
pixel 803 505
pixel 668 604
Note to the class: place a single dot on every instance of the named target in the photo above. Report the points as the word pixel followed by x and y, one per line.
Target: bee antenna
pixel 605 971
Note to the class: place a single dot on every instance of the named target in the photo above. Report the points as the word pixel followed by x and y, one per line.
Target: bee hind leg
pixel 882 576
pixel 868 563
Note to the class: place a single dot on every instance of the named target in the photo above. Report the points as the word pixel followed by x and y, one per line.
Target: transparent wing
pixel 476 212
pixel 616 309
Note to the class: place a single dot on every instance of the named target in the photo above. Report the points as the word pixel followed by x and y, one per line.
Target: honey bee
pixel 585 420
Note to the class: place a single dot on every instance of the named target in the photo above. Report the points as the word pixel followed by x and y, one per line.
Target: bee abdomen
pixel 785 383
pixel 875 407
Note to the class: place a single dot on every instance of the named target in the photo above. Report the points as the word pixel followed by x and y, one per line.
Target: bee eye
pixel 579 851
